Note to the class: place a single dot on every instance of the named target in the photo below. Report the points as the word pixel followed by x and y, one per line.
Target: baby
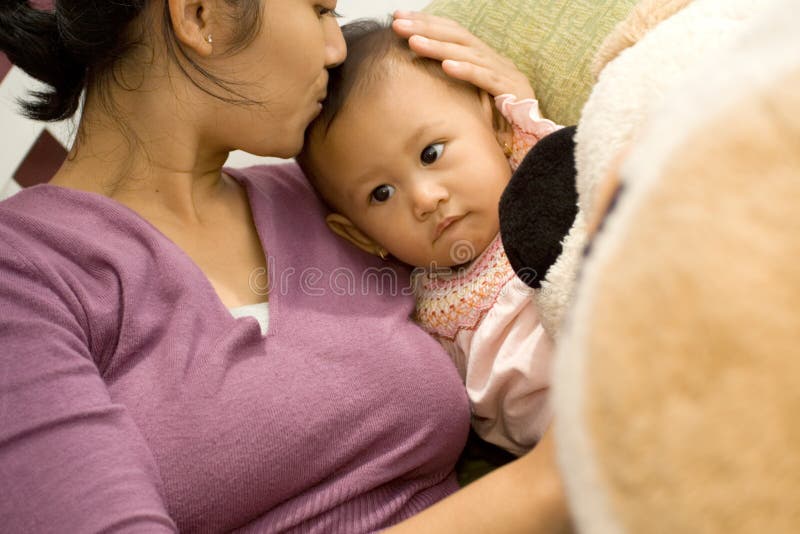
pixel 412 162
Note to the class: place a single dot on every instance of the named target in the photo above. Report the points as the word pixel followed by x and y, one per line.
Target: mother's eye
pixel 431 153
pixel 382 193
pixel 322 11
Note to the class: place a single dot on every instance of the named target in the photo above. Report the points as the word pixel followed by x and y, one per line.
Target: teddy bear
pixel 544 233
pixel 676 381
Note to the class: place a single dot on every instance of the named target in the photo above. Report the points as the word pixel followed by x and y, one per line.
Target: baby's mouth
pixel 444 224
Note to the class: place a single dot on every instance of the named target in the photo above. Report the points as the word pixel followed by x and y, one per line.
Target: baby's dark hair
pixel 78 44
pixel 372 50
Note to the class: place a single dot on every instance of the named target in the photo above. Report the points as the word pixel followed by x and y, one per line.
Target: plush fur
pixel 540 200
pixel 646 55
pixel 645 16
pixel 677 383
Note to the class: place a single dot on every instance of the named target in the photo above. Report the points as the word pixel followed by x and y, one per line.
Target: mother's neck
pixel 147 150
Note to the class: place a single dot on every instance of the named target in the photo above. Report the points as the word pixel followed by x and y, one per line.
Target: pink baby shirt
pixel 486 319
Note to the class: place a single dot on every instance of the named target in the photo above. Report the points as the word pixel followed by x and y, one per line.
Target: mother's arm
pixel 71 459
pixel 524 496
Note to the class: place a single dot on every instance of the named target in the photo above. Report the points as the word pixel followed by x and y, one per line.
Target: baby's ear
pixel 500 125
pixel 344 228
pixel 487 104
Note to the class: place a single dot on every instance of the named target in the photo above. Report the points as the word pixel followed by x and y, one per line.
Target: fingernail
pixel 402 23
pixel 451 62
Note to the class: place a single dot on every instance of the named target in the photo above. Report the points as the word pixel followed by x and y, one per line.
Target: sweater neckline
pixel 139 221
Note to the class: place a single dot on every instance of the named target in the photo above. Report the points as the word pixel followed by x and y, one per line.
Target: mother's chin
pixel 286 146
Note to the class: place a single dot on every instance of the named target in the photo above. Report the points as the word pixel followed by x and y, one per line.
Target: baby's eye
pixel 431 153
pixel 382 193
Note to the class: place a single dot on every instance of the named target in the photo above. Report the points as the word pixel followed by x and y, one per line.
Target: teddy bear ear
pixel 539 206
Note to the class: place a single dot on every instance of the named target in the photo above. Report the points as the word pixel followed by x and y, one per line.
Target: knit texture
pixel 133 401
pixel 551 41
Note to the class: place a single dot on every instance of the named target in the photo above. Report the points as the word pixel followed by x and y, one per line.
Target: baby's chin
pixel 464 251
pixel 460 253
pixel 456 250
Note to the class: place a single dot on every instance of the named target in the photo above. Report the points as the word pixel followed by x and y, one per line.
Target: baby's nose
pixel 427 198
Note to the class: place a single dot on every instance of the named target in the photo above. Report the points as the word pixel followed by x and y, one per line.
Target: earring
pixel 507 149
pixel 209 40
pixel 382 252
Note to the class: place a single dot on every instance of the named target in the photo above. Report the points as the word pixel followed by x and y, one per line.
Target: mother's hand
pixel 463 56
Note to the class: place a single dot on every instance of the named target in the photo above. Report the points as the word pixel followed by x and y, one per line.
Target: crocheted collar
pixel 451 300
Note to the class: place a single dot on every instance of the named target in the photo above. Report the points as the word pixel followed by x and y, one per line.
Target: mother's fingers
pixel 486 79
pixel 419 16
pixel 438 28
pixel 493 81
pixel 442 50
pixel 470 59
pixel 483 68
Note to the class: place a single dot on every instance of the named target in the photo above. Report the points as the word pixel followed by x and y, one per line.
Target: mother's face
pixel 285 67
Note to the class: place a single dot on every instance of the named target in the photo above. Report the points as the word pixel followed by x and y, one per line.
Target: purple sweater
pixel 131 400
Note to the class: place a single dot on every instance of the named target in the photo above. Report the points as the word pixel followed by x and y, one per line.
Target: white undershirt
pixel 258 311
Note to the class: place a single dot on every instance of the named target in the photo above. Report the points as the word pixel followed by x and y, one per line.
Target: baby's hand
pixel 463 55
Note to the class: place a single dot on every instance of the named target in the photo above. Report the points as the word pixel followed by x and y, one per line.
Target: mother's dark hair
pixel 77 44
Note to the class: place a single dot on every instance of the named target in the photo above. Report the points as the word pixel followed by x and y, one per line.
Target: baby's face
pixel 414 163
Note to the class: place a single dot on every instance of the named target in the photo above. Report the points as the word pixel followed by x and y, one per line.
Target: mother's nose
pixel 335 47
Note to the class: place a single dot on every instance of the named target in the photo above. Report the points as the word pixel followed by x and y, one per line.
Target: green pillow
pixel 551 41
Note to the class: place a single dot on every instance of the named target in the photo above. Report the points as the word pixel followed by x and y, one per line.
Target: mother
pixel 187 347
